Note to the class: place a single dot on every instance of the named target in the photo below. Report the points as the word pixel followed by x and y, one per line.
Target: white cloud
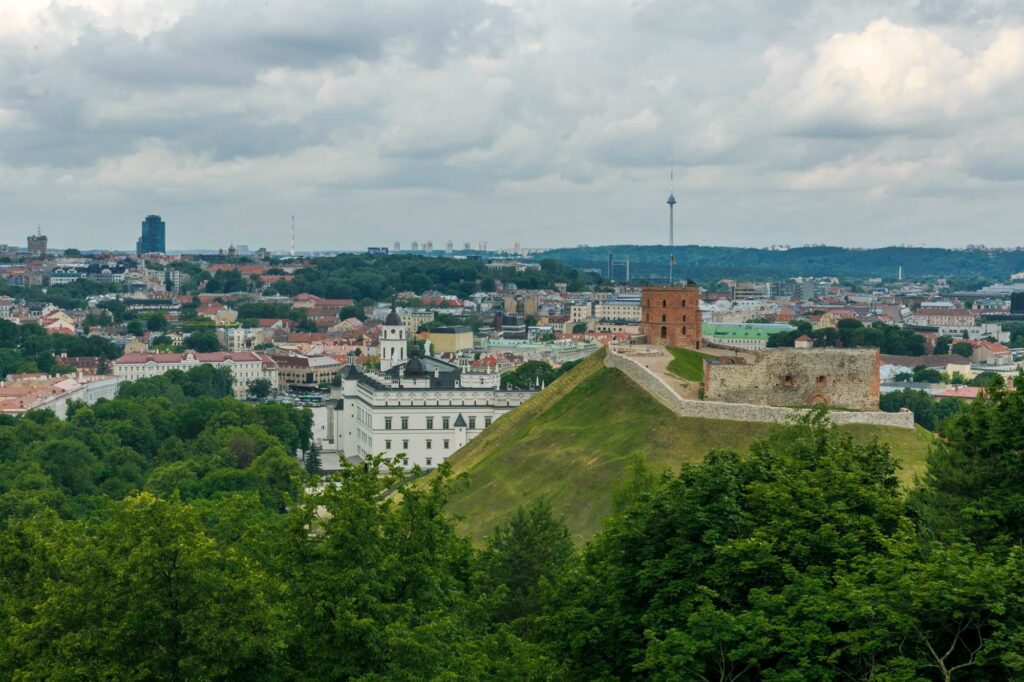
pixel 555 119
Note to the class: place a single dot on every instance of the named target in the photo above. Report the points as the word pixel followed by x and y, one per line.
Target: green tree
pixel 143 592
pixel 260 388
pixel 156 323
pixel 312 461
pixel 525 553
pixel 963 349
pixel 203 341
pixel 942 344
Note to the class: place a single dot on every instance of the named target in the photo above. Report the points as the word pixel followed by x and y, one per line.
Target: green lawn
pixel 688 364
pixel 574 446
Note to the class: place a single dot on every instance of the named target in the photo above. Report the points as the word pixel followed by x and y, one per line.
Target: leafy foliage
pixel 168 536
pixel 533 373
pixel 378 278
pixel 889 339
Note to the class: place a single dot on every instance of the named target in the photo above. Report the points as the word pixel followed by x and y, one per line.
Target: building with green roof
pixel 742 335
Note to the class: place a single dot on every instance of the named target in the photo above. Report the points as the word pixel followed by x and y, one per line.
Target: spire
pixel 671 205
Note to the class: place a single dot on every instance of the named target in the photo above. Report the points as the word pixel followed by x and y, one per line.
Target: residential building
pixel 305 373
pixel 451 339
pixel 21 393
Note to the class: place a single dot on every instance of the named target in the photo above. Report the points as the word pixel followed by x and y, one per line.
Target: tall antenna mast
pixel 293 236
pixel 671 205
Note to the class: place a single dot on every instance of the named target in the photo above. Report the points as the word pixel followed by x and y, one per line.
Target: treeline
pixel 709 264
pixel 534 373
pixel 377 278
pixel 27 348
pixel 802 560
pixel 889 339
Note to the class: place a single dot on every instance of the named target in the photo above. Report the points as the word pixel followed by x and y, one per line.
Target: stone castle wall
pixel 784 377
pixel 708 409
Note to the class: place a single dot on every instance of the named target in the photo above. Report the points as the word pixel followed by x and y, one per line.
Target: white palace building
pixel 420 407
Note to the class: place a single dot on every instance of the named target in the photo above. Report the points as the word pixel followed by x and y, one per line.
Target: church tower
pixel 392 341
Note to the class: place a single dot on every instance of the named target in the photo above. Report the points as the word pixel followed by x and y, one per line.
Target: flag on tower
pixel 673 257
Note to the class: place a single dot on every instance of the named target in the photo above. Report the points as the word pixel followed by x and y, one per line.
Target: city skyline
pixel 548 124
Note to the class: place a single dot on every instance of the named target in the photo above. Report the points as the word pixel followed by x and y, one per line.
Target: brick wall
pixel 670 316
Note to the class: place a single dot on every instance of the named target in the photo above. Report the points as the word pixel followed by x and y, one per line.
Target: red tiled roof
pixel 174 358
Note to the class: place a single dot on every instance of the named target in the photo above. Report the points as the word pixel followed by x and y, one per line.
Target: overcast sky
pixel 550 122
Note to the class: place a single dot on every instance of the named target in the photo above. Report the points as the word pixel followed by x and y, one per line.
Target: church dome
pixel 393 319
pixel 414 366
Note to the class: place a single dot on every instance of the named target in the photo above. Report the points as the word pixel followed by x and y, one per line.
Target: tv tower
pixel 293 236
pixel 671 206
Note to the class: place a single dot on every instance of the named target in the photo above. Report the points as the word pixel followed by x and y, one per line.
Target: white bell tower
pixel 393 341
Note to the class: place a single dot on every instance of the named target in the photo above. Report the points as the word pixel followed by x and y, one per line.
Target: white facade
pixel 424 417
pixel 245 367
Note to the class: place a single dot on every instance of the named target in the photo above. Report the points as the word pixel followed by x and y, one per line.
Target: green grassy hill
pixel 687 363
pixel 573 444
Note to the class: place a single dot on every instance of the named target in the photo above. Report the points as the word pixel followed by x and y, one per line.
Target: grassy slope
pixel 573 444
pixel 689 364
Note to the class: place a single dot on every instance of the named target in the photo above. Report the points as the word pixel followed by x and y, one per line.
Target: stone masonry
pixel 670 315
pixel 707 409
pixel 785 377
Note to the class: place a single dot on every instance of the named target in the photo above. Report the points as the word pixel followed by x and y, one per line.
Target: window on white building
pixel 429 443
pixel 429 460
pixel 387 445
pixel 405 423
pixel 387 423
pixel 487 422
pixel 446 423
pixel 446 446
pixel 430 423
pixel 472 422
pixel 405 445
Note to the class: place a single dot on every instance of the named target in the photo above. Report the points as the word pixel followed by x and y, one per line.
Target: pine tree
pixel 313 460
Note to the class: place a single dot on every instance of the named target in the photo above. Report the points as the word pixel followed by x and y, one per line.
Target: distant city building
pixel 37 244
pixel 618 270
pixel 154 236
pixel 1017 303
pixel 377 250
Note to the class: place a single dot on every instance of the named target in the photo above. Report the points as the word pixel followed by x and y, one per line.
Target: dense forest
pixel 379 277
pixel 168 535
pixel 709 264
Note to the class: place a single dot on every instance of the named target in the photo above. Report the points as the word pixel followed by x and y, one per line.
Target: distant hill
pixel 574 442
pixel 706 264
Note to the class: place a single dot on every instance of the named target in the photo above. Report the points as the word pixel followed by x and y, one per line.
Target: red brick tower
pixel 670 315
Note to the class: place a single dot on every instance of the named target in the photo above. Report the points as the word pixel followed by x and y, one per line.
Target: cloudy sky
pixel 549 122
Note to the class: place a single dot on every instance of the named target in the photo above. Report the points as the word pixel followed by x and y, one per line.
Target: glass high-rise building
pixel 154 236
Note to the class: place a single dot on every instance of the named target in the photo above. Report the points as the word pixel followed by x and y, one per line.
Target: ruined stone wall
pixel 787 377
pixel 707 409
pixel 670 316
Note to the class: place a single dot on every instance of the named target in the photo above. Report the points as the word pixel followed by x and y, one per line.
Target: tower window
pixel 664 332
pixel 662 318
pixel 664 303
